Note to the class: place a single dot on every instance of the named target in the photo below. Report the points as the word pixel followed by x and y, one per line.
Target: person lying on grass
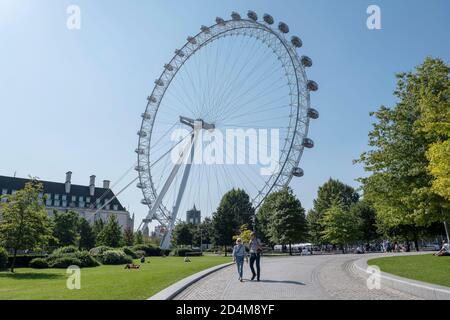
pixel 445 250
pixel 132 266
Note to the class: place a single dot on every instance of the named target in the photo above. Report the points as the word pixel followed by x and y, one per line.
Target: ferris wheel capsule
pixel 283 27
pixel 205 29
pixel 313 113
pixel 220 21
pixel 235 16
pixel 151 99
pixel 268 19
pixel 180 53
pixel 168 67
pixel 191 40
pixel 159 83
pixel 298 172
pixel 308 143
pixel 312 85
pixel 296 41
pixel 306 61
pixel 252 15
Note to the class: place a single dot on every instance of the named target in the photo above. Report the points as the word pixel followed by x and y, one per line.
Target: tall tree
pixel 87 236
pixel 235 210
pixel 138 237
pixel 128 237
pixel 98 226
pixel 330 192
pixel 182 234
pixel 288 222
pixel 341 226
pixel 24 222
pixel 203 232
pixel 367 217
pixel 65 230
pixel 400 184
pixel 111 234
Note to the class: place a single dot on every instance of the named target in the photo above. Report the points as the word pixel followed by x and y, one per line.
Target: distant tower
pixel 193 216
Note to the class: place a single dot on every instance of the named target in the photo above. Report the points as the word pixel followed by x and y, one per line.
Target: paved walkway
pixel 291 278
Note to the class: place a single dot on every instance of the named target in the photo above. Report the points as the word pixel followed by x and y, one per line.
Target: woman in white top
pixel 239 254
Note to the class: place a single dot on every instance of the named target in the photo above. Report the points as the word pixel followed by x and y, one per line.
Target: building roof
pixel 52 188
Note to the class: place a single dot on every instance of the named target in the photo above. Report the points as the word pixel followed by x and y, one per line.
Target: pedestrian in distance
pixel 255 256
pixel 239 254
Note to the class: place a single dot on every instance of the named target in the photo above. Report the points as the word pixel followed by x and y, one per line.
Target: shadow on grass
pixel 30 276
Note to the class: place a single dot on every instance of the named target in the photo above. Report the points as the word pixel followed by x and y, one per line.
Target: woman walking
pixel 239 254
pixel 255 256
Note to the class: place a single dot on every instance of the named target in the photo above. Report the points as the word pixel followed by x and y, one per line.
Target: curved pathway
pixel 291 278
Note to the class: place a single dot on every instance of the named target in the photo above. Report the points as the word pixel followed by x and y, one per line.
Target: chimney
pixel 92 185
pixel 106 184
pixel 68 181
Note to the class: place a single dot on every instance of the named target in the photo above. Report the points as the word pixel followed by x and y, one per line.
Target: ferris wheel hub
pixel 197 124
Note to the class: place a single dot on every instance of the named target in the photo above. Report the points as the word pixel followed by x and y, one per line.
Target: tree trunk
pixel 225 250
pixel 13 261
pixel 416 244
pixel 290 249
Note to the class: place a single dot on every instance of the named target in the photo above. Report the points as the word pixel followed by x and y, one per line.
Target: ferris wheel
pixel 240 73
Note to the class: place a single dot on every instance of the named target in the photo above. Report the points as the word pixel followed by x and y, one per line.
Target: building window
pixel 74 198
pixel 56 196
pixel 48 202
pixel 80 199
pixel 64 197
pixel 57 203
pixel 81 204
pixel 4 191
pixel 108 207
pixel 116 207
pixel 14 192
pixel 88 199
pixel 64 203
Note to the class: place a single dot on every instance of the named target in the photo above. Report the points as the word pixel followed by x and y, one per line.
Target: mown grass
pixel 427 268
pixel 104 282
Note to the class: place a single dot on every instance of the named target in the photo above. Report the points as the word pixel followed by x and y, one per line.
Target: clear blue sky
pixel 71 100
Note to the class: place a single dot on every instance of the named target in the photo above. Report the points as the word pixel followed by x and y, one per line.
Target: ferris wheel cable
pixel 240 105
pixel 232 84
pixel 258 82
pixel 257 110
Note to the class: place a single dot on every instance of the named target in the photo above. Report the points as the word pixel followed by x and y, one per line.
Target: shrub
pixel 3 258
pixel 131 252
pixel 194 254
pixel 64 262
pixel 64 250
pixel 140 253
pixel 115 257
pixel 98 251
pixel 39 263
pixel 86 259
pixel 165 252
pixel 181 252
pixel 150 251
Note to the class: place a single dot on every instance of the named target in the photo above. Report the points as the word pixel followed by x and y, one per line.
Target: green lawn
pixel 427 268
pixel 104 282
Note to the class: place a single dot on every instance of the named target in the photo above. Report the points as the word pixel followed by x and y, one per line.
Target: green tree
pixel 111 234
pixel 400 184
pixel 24 223
pixel 367 216
pixel 235 210
pixel 330 192
pixel 65 228
pixel 341 226
pixel 87 236
pixel 203 232
pixel 287 222
pixel 138 237
pixel 98 226
pixel 245 234
pixel 128 237
pixel 182 234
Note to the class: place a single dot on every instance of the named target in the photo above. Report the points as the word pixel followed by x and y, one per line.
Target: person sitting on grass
pixel 143 259
pixel 186 259
pixel 132 266
pixel 445 250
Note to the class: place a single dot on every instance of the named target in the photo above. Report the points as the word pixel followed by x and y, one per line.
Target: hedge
pixel 39 263
pixel 150 251
pixel 115 257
